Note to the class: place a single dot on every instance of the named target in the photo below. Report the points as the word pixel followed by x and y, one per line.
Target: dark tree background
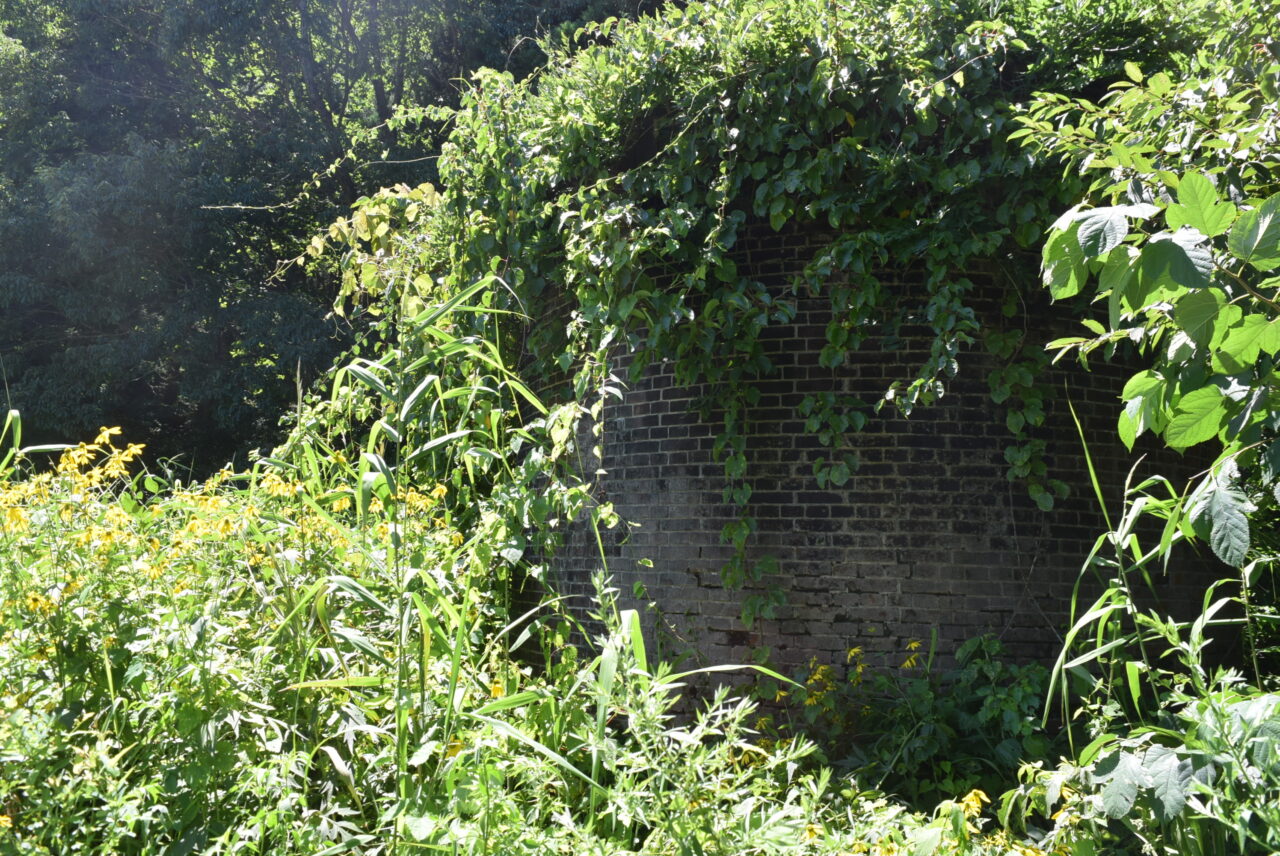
pixel 153 161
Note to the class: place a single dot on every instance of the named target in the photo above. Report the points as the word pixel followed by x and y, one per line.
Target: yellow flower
pixel 497 690
pixel 439 492
pixel 911 662
pixel 914 644
pixel 105 434
pixel 972 802
pixel 6 822
pixel 15 519
pixel 342 503
pixel 854 653
pixel 38 603
pixel 456 539
pixel 276 486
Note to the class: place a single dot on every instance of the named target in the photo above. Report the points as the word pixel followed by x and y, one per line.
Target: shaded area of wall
pixel 929 535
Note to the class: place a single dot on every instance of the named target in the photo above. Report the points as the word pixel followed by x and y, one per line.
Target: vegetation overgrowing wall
pixel 625 184
pixel 929 534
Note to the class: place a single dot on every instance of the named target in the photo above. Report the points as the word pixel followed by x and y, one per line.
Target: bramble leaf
pixel 1227 508
pixel 1196 418
pixel 1199 208
pixel 1197 312
pixel 1101 230
pixel 1064 269
pixel 1255 238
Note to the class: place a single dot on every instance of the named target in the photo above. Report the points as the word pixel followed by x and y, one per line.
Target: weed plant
pixel 914 729
pixel 262 663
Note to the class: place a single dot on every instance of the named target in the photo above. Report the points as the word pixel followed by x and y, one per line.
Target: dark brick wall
pixel 928 535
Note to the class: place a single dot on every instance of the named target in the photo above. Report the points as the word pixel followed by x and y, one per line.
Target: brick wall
pixel 928 535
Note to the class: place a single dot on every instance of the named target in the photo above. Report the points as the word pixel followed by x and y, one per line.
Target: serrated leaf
pixel 1123 775
pixel 1199 208
pixel 1196 313
pixel 1115 277
pixel 1255 238
pixel 1170 778
pixel 1063 268
pixel 1176 260
pixel 1228 509
pixel 1101 230
pixel 1196 418
pixel 1243 343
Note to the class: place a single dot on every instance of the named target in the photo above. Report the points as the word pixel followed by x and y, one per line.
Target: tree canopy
pixel 159 160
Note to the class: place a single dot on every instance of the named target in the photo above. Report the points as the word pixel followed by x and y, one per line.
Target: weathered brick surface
pixel 928 535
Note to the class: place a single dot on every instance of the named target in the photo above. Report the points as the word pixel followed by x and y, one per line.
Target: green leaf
pixel 1129 426
pixel 1123 775
pixel 1196 313
pixel 1101 230
pixel 1255 238
pixel 1196 418
pixel 1228 510
pixel 1199 208
pixel 926 841
pixel 419 828
pixel 1243 343
pixel 1170 781
pixel 1169 263
pixel 1063 268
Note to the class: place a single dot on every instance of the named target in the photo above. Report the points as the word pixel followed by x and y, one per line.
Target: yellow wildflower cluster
pixel 80 471
pixel 913 654
pixel 821 681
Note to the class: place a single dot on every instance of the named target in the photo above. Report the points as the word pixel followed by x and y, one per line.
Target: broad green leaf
pixel 1165 268
pixel 1228 510
pixel 1115 279
pixel 419 828
pixel 1255 238
pixel 1144 383
pixel 1144 405
pixel 1176 260
pixel 1196 418
pixel 926 841
pixel 1254 335
pixel 1123 775
pixel 1196 313
pixel 1128 429
pixel 1101 230
pixel 1063 270
pixel 1170 780
pixel 1199 208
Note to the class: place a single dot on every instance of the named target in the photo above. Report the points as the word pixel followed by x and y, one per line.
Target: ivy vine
pixel 618 181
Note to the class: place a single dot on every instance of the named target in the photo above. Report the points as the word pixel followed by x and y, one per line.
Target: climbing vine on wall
pixel 616 184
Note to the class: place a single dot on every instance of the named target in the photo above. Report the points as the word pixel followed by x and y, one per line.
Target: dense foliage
pixel 345 649
pixel 159 160
pixel 622 181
